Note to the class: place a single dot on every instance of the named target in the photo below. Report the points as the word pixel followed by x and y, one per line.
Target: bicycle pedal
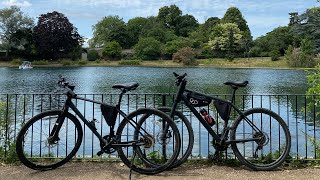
pixel 100 153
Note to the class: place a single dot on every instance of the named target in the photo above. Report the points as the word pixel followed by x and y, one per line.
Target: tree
pixel 111 28
pixel 308 26
pixel 179 43
pixel 148 49
pixel 170 16
pixel 226 37
pixel 277 40
pixel 294 18
pixel 209 24
pixel 23 44
pixel 186 25
pixel 233 15
pixel 112 50
pixel 303 56
pixel 11 20
pixel 55 36
pixel 135 27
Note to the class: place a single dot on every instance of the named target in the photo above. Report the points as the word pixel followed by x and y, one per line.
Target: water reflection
pixel 152 80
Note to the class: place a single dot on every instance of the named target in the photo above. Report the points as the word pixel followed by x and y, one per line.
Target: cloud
pixel 16 3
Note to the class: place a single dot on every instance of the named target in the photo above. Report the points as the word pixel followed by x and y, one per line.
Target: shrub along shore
pixel 264 62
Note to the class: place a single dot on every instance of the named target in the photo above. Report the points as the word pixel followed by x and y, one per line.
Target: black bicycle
pixel 50 139
pixel 259 137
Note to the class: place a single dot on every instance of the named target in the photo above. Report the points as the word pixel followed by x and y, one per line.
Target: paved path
pixel 106 171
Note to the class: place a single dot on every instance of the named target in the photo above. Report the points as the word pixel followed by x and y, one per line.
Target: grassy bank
pixel 216 62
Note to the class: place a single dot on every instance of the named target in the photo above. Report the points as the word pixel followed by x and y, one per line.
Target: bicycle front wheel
pixel 154 149
pixel 260 139
pixel 186 135
pixel 37 151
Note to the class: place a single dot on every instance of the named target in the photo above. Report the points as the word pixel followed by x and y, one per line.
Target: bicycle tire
pixel 271 139
pixel 148 162
pixel 28 155
pixel 185 149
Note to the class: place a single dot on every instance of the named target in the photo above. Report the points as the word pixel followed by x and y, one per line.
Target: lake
pixel 152 80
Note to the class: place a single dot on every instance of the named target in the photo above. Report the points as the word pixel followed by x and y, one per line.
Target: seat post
pixel 233 94
pixel 123 91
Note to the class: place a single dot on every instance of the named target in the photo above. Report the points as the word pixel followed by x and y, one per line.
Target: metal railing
pixel 298 111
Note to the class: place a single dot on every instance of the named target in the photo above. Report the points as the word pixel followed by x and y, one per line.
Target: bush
pixel 82 62
pixel 16 62
pixel 130 62
pixel 186 56
pixel 112 50
pixel 275 55
pixel 148 49
pixel 173 46
pixel 40 62
pixel 297 58
pixel 93 55
pixel 65 62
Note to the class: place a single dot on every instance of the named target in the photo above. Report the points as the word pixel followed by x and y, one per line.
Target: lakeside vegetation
pixel 170 35
pixel 263 62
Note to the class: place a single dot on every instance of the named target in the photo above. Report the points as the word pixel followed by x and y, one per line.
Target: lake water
pixel 152 80
pixel 99 80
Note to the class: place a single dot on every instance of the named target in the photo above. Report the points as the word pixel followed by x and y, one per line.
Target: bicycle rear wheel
pixel 155 150
pixel 272 144
pixel 34 147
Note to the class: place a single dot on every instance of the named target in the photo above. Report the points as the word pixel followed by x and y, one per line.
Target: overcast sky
pixel 262 16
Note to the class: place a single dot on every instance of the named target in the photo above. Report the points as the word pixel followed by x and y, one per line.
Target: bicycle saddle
pixel 127 86
pixel 237 84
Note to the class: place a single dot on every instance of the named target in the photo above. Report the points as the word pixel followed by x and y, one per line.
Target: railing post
pixel 164 100
pixel 164 149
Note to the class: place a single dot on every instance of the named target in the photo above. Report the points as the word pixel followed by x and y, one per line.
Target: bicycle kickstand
pixel 134 155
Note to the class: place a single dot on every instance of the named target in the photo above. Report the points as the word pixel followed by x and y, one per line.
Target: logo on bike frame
pixel 193 101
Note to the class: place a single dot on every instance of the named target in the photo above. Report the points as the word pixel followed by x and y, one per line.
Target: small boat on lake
pixel 25 65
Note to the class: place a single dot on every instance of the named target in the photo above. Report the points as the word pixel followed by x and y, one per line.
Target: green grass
pixel 130 62
pixel 16 62
pixel 40 62
pixel 82 62
pixel 256 62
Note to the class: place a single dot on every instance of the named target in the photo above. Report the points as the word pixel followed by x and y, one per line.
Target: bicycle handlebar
pixel 63 83
pixel 179 78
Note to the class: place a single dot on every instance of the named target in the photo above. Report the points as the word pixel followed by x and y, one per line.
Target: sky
pixel 262 15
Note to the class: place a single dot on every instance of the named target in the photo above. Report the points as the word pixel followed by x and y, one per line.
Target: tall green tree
pixel 11 20
pixel 135 27
pixel 148 49
pixel 170 16
pixel 308 26
pixel 233 15
pixel 110 28
pixel 23 44
pixel 209 24
pixel 278 39
pixel 55 36
pixel 186 25
pixel 226 37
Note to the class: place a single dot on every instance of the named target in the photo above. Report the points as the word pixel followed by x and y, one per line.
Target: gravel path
pixel 97 171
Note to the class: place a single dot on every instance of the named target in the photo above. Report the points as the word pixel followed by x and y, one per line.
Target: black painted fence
pixel 299 112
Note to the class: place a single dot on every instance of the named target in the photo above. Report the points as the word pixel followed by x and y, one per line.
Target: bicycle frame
pixel 221 140
pixel 69 104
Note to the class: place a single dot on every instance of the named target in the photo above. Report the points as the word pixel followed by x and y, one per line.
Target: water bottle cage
pixel 207 117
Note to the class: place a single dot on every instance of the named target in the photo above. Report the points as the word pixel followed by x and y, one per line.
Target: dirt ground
pixel 97 171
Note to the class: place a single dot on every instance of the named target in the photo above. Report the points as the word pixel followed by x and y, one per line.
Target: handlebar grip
pixel 180 77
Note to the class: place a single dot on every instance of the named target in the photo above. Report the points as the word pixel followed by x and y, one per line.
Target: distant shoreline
pixel 264 63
